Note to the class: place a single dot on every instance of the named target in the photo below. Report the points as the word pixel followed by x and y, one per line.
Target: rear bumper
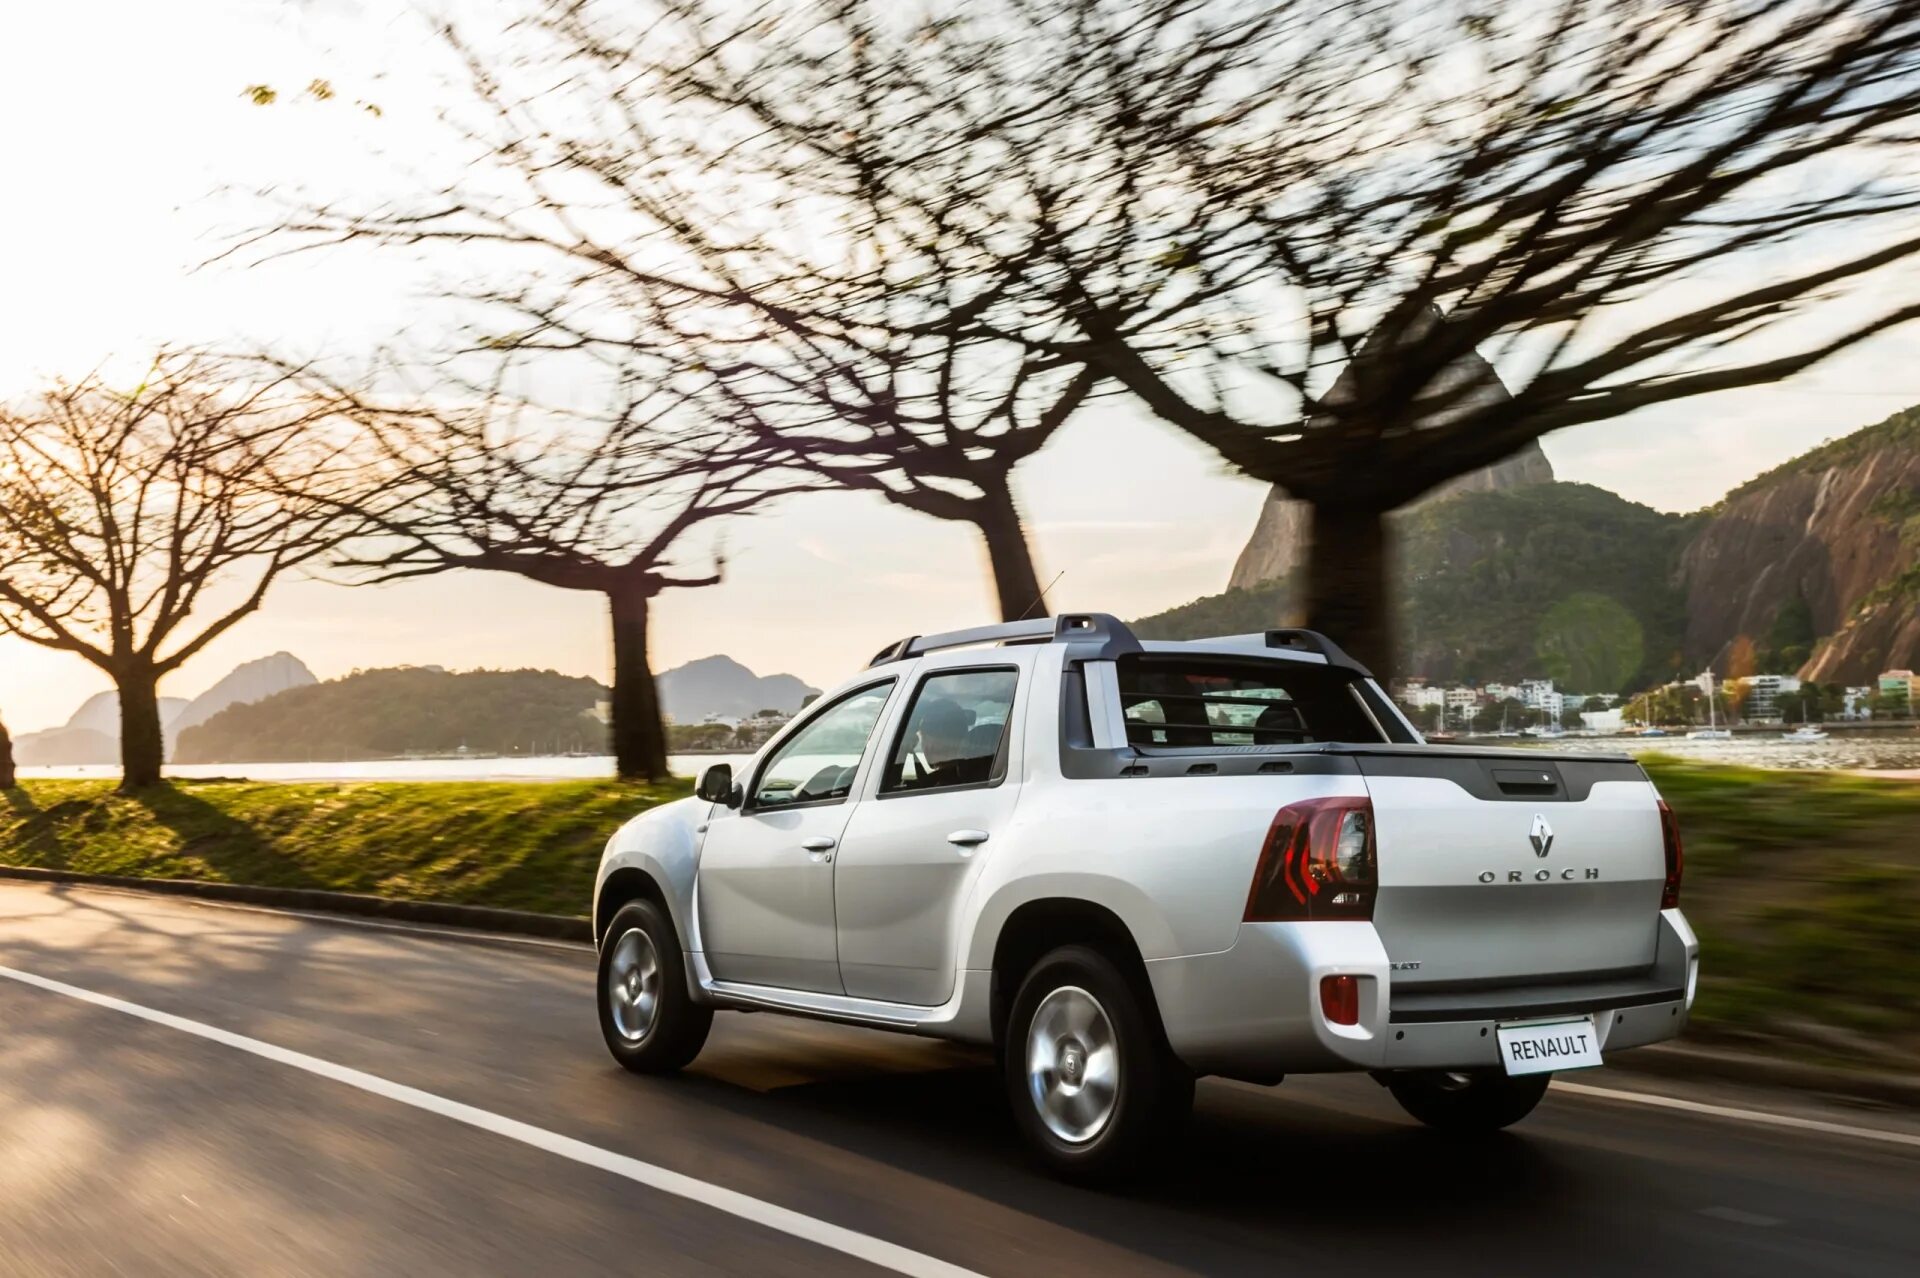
pixel 1253 1011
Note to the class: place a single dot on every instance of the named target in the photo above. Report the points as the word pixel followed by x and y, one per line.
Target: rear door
pixel 1497 869
pixel 913 850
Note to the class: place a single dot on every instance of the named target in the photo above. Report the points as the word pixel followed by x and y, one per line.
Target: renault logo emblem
pixel 1542 836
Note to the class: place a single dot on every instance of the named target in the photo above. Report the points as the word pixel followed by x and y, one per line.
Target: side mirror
pixel 716 785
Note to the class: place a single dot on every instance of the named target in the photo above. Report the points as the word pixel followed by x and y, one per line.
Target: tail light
pixel 1318 863
pixel 1676 858
pixel 1340 999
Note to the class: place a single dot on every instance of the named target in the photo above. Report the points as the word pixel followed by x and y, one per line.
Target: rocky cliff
pixel 1837 528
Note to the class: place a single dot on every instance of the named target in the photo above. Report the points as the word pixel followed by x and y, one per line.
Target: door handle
pixel 818 843
pixel 967 838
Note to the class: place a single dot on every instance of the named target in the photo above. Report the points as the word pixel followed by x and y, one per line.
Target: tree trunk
pixel 1015 580
pixel 6 759
pixel 142 749
pixel 1347 597
pixel 639 738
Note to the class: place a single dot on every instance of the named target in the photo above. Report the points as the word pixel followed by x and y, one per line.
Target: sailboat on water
pixel 1713 731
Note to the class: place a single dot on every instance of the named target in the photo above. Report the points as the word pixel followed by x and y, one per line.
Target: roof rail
pixel 1314 641
pixel 1094 636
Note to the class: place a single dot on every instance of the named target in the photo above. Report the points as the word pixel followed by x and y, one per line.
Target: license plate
pixel 1553 1045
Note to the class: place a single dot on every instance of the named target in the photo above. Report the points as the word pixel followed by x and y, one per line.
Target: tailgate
pixel 1514 868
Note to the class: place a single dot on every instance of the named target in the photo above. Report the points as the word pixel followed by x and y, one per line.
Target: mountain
pixel 722 686
pixel 1565 580
pixel 1816 560
pixel 101 713
pixel 1813 566
pixel 249 681
pixel 90 735
pixel 375 714
pixel 1279 541
pixel 66 747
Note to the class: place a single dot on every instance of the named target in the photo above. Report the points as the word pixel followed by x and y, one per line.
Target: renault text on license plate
pixel 1535 1049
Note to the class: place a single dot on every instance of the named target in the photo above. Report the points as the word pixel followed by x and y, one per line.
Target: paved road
pixel 451 1110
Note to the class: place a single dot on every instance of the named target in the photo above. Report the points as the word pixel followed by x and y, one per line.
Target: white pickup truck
pixel 1125 864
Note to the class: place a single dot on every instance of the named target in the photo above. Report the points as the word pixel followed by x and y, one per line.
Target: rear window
pixel 1189 702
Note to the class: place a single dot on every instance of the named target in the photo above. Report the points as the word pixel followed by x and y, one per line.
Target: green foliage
pixel 1590 640
pixel 1805 890
pixel 1790 638
pixel 1900 431
pixel 1479 575
pixel 1237 612
pixel 700 736
pixel 1899 507
pixel 374 714
pixel 516 846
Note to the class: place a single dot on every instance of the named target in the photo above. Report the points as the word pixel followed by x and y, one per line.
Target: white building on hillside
pixel 1538 694
pixel 1763 694
pixel 1423 696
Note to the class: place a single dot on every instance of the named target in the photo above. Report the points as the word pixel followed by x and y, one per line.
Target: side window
pixel 817 764
pixel 955 733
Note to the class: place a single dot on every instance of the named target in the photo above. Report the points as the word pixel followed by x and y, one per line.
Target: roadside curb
pixel 1671 1060
pixel 482 918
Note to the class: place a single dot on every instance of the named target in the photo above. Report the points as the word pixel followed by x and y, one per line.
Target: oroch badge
pixel 1542 836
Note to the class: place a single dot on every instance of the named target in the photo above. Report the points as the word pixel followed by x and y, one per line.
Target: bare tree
pixel 598 501
pixel 121 511
pixel 617 213
pixel 1227 207
pixel 896 418
pixel 1626 203
pixel 1285 228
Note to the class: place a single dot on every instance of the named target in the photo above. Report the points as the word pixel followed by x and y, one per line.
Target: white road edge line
pixel 876 1251
pixel 1756 1116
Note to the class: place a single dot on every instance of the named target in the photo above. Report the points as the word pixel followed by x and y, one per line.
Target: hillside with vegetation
pixel 1563 580
pixel 380 714
pixel 1824 546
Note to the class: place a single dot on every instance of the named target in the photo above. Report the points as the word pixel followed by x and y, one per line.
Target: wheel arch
pixel 655 855
pixel 625 885
pixel 1040 925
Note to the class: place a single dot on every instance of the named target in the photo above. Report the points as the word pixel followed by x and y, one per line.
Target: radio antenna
pixel 1042 595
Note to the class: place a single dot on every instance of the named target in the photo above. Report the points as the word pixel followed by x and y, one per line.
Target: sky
pixel 131 152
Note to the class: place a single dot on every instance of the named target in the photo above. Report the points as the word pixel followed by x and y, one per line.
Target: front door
pixel 912 852
pixel 766 870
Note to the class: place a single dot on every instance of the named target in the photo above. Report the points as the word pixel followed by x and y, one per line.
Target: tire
pixel 664 1030
pixel 1078 1017
pixel 1476 1102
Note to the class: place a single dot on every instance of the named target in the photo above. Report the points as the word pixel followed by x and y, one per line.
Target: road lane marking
pixel 1756 1116
pixel 875 1251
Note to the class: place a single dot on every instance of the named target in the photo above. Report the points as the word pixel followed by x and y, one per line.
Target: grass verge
pixel 521 846
pixel 1805 890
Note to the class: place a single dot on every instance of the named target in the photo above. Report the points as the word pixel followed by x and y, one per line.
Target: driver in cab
pixel 945 752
